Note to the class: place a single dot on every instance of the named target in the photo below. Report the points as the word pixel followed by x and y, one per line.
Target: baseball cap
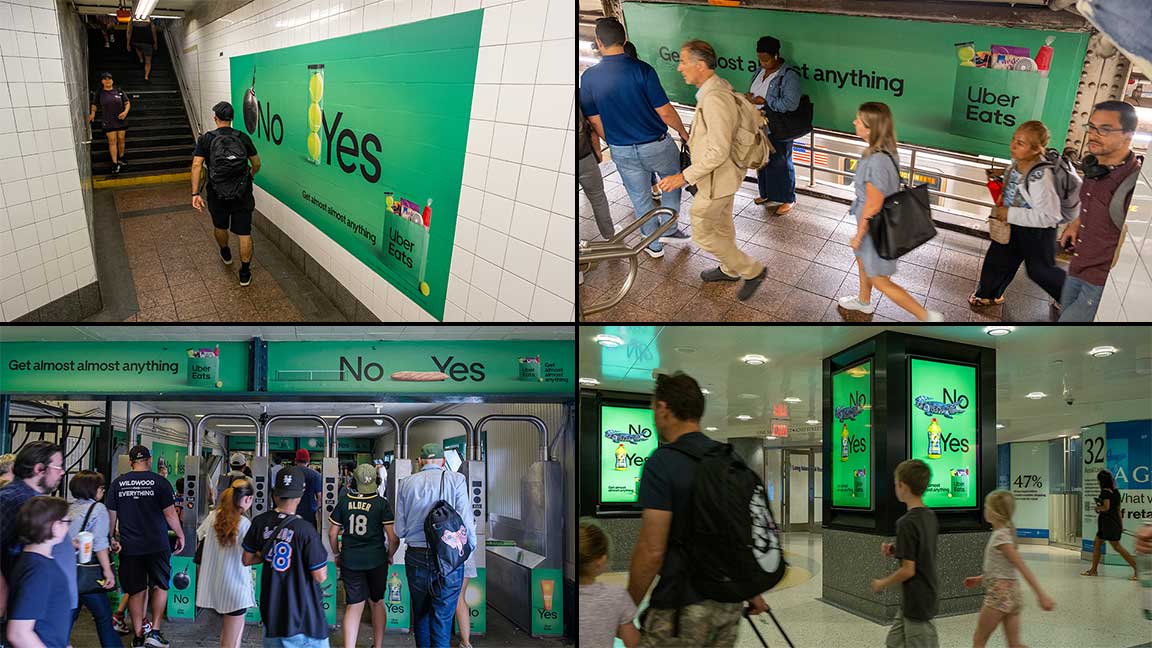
pixel 237 459
pixel 223 111
pixel 289 482
pixel 302 455
pixel 366 478
pixel 431 451
pixel 138 453
pixel 106 75
pixel 377 462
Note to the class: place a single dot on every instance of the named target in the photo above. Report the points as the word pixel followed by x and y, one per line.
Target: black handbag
pixel 904 223
pixel 685 162
pixel 88 574
pixel 785 126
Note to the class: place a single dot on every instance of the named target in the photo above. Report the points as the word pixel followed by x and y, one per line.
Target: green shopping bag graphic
pixel 204 367
pixel 406 249
pixel 990 104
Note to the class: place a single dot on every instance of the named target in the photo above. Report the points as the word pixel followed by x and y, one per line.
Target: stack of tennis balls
pixel 315 115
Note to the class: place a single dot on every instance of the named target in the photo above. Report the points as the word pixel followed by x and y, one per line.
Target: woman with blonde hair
pixel 1030 206
pixel 877 177
pixel 6 463
pixel 225 584
pixel 1002 600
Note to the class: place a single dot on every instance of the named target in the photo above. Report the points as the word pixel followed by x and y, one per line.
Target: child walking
pixel 1001 562
pixel 915 548
pixel 606 611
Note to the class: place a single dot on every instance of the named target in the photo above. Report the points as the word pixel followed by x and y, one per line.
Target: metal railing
pixel 181 80
pixel 592 253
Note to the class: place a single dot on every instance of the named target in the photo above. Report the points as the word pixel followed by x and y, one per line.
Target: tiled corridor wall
pixel 45 245
pixel 515 236
pixel 1128 293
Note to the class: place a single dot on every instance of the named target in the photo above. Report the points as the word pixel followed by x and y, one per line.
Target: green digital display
pixel 851 428
pixel 943 419
pixel 627 439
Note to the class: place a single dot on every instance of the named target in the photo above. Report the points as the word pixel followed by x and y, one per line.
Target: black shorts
pixel 113 125
pixel 240 612
pixel 138 573
pixel 234 214
pixel 145 48
pixel 362 584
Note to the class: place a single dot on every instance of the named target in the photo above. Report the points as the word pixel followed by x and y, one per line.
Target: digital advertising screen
pixel 851 457
pixel 943 420
pixel 627 438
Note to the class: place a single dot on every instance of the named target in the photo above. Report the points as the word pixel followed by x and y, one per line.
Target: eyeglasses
pixel 1102 130
pixel 65 520
pixel 60 468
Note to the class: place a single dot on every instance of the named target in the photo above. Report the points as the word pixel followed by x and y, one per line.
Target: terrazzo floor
pixel 1102 612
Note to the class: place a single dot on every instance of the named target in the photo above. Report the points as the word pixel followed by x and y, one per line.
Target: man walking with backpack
pixel 714 168
pixel 434 518
pixel 228 191
pixel 705 577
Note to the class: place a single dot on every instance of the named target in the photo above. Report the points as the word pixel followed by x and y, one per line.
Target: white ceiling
pixel 281 333
pixel 1114 388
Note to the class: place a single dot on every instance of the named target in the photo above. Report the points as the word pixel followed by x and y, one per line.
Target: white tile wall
pixel 1128 293
pixel 513 257
pixel 45 245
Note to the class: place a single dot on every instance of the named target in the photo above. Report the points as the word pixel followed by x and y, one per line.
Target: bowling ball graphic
pixel 251 106
pixel 181 581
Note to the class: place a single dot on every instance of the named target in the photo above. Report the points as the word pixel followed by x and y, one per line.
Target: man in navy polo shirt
pixel 626 105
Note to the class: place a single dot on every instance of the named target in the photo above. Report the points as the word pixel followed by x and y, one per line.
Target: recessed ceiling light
pixel 999 426
pixel 792 399
pixel 997 331
pixel 684 349
pixel 711 428
pixel 754 359
pixel 812 422
pixel 610 341
pixel 1102 351
pixel 1074 436
pixel 589 381
pixel 1036 395
pixel 705 391
pixel 744 417
pixel 748 396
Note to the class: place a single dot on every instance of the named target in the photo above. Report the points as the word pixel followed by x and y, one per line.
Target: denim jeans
pixel 593 185
pixel 101 609
pixel 777 179
pixel 636 165
pixel 1079 300
pixel 432 608
pixel 1123 21
pixel 295 641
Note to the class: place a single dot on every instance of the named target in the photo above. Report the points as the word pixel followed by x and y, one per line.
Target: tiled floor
pixel 177 274
pixel 1090 612
pixel 809 265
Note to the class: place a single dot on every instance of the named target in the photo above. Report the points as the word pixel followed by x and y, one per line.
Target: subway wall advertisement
pixel 364 137
pixel 944 423
pixel 958 87
pixel 627 439
pixel 852 437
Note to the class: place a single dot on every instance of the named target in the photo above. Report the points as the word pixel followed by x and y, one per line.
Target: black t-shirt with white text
pixel 139 499
pixel 291 602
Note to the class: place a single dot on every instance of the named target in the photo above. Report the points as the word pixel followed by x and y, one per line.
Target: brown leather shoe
pixel 784 208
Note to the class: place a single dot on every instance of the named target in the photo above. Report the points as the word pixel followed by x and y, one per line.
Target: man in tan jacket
pixel 713 171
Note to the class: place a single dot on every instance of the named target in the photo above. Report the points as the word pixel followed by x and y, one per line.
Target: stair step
pixel 146 152
pixel 182 162
pixel 150 119
pixel 153 130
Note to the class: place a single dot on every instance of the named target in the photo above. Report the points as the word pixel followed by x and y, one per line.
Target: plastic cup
pixel 84 538
pixel 546 589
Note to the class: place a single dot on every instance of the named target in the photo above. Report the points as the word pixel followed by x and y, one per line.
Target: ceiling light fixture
pixel 609 341
pixel 997 331
pixel 1102 351
pixel 1035 395
pixel 1074 436
pixel 812 422
pixel 744 417
pixel 792 399
pixel 754 359
pixel 749 396
pixel 999 426
pixel 144 9
pixel 711 429
pixel 684 349
pixel 705 391
pixel 590 382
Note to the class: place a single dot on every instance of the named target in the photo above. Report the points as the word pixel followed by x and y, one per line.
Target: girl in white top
pixel 225 583
pixel 1002 601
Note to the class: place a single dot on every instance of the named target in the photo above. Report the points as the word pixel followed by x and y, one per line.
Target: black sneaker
pixel 155 640
pixel 716 274
pixel 750 285
pixel 116 169
pixel 675 236
pixel 122 160
pixel 138 641
pixel 245 276
pixel 226 255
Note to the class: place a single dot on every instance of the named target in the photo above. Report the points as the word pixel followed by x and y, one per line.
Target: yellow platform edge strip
pixel 142 180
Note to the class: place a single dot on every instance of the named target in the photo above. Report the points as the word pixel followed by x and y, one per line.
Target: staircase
pixel 159 140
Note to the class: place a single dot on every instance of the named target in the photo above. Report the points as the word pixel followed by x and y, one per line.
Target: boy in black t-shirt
pixel 915 548
pixel 291 603
pixel 227 213
pixel 369 542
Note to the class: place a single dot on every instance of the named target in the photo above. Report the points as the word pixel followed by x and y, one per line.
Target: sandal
pixel 982 302
pixel 1088 573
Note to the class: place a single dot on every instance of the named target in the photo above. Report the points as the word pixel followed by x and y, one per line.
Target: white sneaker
pixel 935 316
pixel 655 254
pixel 852 302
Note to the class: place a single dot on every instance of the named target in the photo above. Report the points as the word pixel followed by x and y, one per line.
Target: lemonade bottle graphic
pixel 844 443
pixel 394 588
pixel 315 110
pixel 621 458
pixel 933 440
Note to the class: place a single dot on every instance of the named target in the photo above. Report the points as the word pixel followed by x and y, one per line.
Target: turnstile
pixel 259 503
pixel 330 465
pixel 192 481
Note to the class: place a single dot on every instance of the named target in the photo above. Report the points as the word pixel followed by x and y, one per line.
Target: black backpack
pixel 446 535
pixel 729 510
pixel 228 165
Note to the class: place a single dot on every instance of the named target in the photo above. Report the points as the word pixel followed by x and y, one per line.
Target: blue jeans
pixel 636 164
pixel 777 179
pixel 295 641
pixel 101 609
pixel 1079 300
pixel 431 611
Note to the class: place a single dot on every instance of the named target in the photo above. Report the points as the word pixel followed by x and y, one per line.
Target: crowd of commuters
pixel 622 102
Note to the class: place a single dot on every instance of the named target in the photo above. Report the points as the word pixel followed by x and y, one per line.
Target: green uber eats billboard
pixel 953 86
pixel 852 437
pixel 364 137
pixel 943 421
pixel 627 438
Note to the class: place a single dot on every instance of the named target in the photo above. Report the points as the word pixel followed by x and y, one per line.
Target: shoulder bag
pixel 791 125
pixel 90 573
pixel 904 223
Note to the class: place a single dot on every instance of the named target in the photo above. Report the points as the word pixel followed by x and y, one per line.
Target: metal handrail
pixel 385 417
pixel 329 449
pixel 541 427
pixel 193 446
pixel 402 437
pixel 615 248
pixel 179 69
pixel 203 423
